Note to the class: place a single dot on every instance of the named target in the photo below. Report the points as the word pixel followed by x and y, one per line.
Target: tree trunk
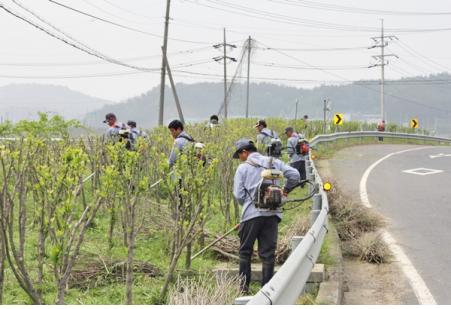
pixel 2 269
pixel 61 293
pixel 188 256
pixel 170 274
pixel 130 258
pixel 112 223
pixel 41 251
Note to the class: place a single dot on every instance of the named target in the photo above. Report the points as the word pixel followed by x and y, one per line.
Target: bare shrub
pixel 370 247
pixel 206 289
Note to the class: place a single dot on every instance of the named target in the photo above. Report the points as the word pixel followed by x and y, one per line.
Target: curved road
pixel 417 207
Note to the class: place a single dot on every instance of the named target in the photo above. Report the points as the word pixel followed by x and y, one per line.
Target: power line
pixel 130 11
pixel 422 57
pixel 101 9
pixel 85 49
pixel 265 33
pixel 85 63
pixel 361 85
pixel 285 19
pixel 219 77
pixel 349 9
pixel 121 25
pixel 287 66
pixel 317 49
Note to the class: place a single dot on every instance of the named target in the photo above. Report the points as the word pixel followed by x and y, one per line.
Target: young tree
pixel 187 189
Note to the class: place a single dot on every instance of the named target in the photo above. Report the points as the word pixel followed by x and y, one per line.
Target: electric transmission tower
pixel 382 42
pixel 224 58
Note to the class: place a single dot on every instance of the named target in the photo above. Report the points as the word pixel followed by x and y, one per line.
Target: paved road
pixel 418 208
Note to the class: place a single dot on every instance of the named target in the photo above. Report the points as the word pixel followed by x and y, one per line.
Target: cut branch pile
pixel 228 248
pixel 98 272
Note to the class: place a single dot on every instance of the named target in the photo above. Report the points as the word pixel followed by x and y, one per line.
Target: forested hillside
pixel 427 98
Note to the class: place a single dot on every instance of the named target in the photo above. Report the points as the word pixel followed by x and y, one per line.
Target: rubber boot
pixel 267 272
pixel 245 273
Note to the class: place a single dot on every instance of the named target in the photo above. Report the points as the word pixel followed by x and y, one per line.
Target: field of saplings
pixel 85 221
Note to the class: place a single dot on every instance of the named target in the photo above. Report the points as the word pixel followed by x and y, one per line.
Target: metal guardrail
pixel 346 135
pixel 289 282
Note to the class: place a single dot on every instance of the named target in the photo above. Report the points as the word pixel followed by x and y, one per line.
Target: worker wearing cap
pixel 296 160
pixel 265 137
pixel 214 121
pixel 114 127
pixel 255 223
pixel 135 131
pixel 181 139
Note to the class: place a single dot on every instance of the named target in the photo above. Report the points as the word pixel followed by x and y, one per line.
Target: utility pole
pixel 174 91
pixel 249 46
pixel 296 113
pixel 224 58
pixel 382 42
pixel 163 65
pixel 326 108
pixel 225 74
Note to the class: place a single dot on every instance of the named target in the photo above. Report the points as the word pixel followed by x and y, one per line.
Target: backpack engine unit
pixel 269 194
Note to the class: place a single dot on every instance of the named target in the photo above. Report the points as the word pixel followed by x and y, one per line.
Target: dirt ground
pixel 371 284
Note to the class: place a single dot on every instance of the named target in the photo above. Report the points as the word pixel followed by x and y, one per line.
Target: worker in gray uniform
pixel 181 139
pixel 257 223
pixel 297 158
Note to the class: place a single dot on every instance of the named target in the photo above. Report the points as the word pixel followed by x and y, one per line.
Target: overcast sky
pixel 287 33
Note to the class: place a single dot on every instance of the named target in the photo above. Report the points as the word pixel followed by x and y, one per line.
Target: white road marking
pixel 417 283
pixel 440 155
pixel 422 171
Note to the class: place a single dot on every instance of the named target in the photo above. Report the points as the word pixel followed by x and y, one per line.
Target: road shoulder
pixel 370 284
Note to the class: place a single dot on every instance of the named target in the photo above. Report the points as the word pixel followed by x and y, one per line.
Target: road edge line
pixel 424 296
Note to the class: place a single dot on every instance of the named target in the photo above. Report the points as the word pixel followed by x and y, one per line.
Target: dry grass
pixel 207 289
pixel 357 227
pixel 370 248
pixel 351 218
pixel 298 228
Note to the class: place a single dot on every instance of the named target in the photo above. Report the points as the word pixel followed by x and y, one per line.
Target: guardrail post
pixel 317 202
pixel 311 177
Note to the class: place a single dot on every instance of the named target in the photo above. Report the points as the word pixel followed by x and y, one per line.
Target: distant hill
pixel 427 98
pixel 24 101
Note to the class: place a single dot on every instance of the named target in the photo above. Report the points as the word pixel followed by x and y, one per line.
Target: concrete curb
pixel 331 292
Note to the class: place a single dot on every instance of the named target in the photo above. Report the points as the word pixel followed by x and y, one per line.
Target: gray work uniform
pixel 265 136
pixel 291 148
pixel 247 178
pixel 113 131
pixel 179 143
pixel 137 133
pixel 256 224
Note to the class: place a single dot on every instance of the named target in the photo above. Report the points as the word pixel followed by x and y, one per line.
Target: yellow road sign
pixel 338 119
pixel 414 123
